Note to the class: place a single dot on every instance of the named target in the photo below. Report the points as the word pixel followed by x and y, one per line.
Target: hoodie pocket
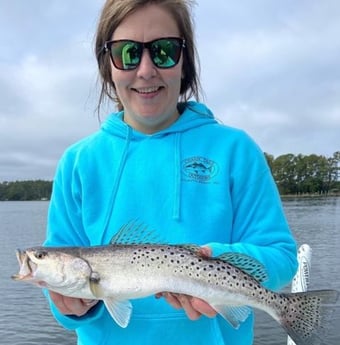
pixel 172 330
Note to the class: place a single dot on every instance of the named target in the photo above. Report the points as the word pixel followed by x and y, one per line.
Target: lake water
pixel 25 318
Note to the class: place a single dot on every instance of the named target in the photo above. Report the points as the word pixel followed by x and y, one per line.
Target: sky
pixel 269 67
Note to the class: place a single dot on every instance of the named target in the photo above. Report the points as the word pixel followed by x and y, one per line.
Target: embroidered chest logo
pixel 199 169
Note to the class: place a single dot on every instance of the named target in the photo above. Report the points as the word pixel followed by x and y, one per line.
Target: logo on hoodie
pixel 199 169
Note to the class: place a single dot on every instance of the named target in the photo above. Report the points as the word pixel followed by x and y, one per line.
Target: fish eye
pixel 40 254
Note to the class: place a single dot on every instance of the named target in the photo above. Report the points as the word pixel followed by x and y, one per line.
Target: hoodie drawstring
pixel 177 178
pixel 117 181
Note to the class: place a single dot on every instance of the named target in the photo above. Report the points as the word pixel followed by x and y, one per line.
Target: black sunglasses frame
pixel 145 45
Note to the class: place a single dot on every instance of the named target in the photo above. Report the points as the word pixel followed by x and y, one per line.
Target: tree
pixel 305 174
pixel 270 160
pixel 284 173
pixel 25 190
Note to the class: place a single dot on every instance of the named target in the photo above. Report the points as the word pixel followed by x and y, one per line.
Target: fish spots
pixel 304 312
pixel 184 262
pixel 161 257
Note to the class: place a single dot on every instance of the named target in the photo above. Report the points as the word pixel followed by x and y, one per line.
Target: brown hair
pixel 113 13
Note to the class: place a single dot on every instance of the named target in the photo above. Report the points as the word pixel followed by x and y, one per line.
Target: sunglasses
pixel 127 54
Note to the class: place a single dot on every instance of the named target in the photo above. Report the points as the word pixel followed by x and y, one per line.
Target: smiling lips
pixel 148 90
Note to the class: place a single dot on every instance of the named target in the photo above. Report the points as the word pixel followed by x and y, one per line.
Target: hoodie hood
pixel 194 115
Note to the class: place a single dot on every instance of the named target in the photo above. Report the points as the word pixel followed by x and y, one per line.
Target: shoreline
pixel 309 196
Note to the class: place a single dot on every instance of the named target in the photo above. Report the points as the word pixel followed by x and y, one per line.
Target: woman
pixel 167 162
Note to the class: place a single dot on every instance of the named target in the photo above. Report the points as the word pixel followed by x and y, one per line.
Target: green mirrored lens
pixel 165 53
pixel 126 54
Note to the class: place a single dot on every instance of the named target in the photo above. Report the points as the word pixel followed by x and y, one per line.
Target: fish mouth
pixel 26 266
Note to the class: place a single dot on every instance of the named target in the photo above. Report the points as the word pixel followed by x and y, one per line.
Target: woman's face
pixel 149 95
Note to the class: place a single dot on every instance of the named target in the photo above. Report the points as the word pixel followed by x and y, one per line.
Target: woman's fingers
pixel 193 307
pixel 70 305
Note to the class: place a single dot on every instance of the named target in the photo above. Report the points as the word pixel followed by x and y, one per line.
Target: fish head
pixel 53 269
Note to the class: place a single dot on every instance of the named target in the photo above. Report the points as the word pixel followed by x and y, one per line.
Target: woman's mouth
pixel 148 90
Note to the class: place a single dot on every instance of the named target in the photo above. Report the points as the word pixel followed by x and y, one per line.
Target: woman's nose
pixel 146 68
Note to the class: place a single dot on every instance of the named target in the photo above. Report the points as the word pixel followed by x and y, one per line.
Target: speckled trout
pixel 125 270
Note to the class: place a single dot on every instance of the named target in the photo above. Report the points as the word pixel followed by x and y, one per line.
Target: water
pixel 315 221
pixel 25 318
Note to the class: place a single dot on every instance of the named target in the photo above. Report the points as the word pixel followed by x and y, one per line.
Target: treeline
pixel 300 174
pixel 25 190
pixel 293 174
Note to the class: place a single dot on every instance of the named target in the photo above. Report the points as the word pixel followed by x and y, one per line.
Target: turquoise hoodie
pixel 195 182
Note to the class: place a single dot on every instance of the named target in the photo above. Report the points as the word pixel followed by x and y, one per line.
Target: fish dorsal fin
pixel 194 248
pixel 235 315
pixel 247 264
pixel 119 310
pixel 135 233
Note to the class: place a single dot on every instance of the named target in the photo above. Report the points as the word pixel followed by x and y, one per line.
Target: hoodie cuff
pixel 218 249
pixel 72 322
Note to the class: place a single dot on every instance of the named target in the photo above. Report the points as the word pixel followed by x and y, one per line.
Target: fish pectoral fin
pixel 119 310
pixel 235 315
pixel 192 247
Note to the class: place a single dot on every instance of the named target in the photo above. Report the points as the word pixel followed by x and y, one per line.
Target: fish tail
pixel 306 315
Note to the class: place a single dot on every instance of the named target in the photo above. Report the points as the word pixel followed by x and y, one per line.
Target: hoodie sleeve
pixel 71 322
pixel 65 228
pixel 260 228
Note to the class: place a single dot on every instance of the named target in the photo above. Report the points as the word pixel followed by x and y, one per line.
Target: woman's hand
pixel 70 305
pixel 194 307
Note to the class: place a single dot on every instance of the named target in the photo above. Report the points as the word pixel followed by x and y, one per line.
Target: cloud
pixel 45 110
pixel 47 100
pixel 271 68
pixel 278 75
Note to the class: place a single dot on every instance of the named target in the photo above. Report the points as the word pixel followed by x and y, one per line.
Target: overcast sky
pixel 271 67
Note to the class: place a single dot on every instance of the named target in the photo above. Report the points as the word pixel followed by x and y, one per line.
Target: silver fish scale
pixel 180 261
